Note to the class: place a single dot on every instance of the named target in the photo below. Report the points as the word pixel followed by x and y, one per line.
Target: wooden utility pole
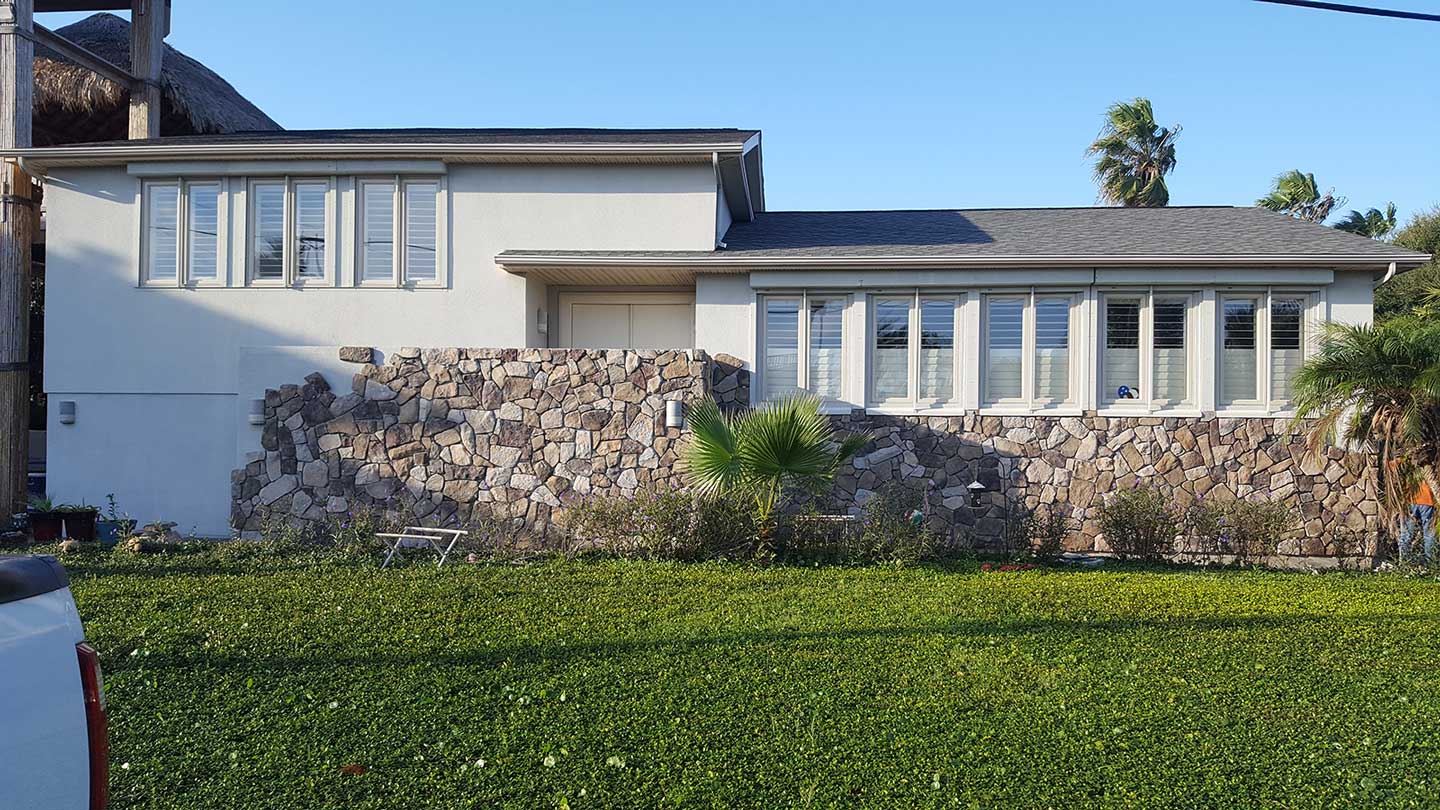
pixel 17 232
pixel 149 23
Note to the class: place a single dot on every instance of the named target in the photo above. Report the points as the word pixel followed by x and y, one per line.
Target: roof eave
pixel 57 156
pixel 519 261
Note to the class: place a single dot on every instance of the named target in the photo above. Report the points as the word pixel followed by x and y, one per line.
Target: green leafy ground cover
pixel 604 684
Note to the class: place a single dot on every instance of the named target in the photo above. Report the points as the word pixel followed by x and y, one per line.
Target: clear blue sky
pixel 876 105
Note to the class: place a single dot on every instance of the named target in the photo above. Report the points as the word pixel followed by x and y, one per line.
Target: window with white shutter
pixel 826 332
pixel 1004 348
pixel 202 232
pixel 311 213
pixel 162 233
pixel 267 231
pixel 1287 345
pixel 420 233
pixel 377 232
pixel 936 374
pixel 1239 355
pixel 890 360
pixel 1052 349
pixel 1170 375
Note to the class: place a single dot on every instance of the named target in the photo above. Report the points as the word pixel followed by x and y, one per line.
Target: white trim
pixel 252 277
pixel 295 168
pixel 721 259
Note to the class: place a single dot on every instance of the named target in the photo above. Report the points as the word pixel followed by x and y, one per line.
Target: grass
pixel 602 684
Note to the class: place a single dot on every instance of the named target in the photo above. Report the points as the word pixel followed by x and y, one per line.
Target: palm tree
pixel 1378 386
pixel 1134 156
pixel 765 452
pixel 1373 223
pixel 1296 193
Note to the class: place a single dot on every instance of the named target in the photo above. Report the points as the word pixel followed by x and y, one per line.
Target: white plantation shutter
pixel 202 232
pixel 825 361
pixel 162 233
pixel 268 226
pixel 420 240
pixel 891 360
pixel 1004 345
pixel 1238 355
pixel 1121 359
pixel 1052 349
pixel 1171 377
pixel 937 350
pixel 782 347
pixel 377 231
pixel 1286 345
pixel 310 210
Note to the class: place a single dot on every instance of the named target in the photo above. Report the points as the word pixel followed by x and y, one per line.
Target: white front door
pixel 626 321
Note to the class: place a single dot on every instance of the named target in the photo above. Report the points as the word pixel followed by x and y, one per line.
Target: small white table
pixel 441 541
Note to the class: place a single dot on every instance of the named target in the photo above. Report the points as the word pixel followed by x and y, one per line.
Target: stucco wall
pixel 114 347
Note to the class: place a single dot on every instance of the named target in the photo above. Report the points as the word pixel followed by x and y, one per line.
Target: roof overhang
pixel 720 262
pixel 51 157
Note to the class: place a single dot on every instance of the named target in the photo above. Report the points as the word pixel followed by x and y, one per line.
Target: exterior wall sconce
pixel 674 414
pixel 542 321
pixel 67 412
pixel 976 489
pixel 257 411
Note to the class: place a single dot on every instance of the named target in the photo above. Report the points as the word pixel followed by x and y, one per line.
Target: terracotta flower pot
pixel 81 525
pixel 45 526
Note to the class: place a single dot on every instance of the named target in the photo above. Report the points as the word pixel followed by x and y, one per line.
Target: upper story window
pixel 289 231
pixel 1145 344
pixel 181 243
pixel 1262 347
pixel 912 351
pixel 284 231
pixel 1027 349
pixel 810 320
pixel 398 232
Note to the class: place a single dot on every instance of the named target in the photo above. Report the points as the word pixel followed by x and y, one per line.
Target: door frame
pixel 567 299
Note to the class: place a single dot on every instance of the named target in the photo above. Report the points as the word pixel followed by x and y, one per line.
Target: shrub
pixel 1140 523
pixel 1250 530
pixel 1048 531
pixel 661 525
pixel 888 531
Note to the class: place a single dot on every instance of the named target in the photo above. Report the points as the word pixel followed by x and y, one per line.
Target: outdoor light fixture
pixel 67 412
pixel 976 489
pixel 257 411
pixel 674 414
pixel 542 322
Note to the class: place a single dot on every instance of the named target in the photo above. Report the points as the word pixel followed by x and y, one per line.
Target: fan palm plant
pixel 1380 386
pixel 1134 155
pixel 1297 194
pixel 1374 223
pixel 766 452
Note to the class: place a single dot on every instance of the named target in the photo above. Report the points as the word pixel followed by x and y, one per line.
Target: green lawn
pixel 721 685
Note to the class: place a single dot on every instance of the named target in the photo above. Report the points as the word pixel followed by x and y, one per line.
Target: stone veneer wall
pixel 1071 464
pixel 517 433
pixel 456 433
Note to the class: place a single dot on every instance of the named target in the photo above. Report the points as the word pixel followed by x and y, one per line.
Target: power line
pixel 1374 12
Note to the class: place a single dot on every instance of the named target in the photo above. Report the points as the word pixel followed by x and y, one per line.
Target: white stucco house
pixel 1063 351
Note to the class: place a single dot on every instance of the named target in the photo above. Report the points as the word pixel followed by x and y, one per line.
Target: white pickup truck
pixel 53 746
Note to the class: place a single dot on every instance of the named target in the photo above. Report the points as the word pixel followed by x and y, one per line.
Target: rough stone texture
pixel 357 354
pixel 456 434
pixel 516 434
pixel 729 382
pixel 1072 463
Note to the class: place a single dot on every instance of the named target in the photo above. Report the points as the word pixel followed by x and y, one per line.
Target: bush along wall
pixel 455 435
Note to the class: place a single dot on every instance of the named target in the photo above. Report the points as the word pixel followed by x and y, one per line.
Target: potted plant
pixel 45 521
pixel 117 525
pixel 79 521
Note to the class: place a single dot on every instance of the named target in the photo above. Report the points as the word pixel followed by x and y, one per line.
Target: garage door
pixel 626 321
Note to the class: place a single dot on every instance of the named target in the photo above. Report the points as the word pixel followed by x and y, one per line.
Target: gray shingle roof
pixel 478 137
pixel 1021 232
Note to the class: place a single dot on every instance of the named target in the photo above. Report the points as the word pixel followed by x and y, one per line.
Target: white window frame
pixel 1104 397
pixel 1027 401
pixel 183 277
pixel 289 250
pixel 913 400
pixel 1311 316
pixel 802 378
pixel 399 276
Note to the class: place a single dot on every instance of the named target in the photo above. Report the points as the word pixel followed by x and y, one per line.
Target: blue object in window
pixel 1126 392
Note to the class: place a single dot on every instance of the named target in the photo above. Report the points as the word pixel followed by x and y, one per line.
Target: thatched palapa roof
pixel 73 105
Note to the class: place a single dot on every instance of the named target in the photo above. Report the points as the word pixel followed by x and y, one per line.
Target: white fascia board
pixel 1219 276
pixel 884 278
pixel 50 156
pixel 194 168
pixel 720 261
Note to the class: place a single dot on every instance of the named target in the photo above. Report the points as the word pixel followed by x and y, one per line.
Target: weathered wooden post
pixel 17 228
pixel 149 23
